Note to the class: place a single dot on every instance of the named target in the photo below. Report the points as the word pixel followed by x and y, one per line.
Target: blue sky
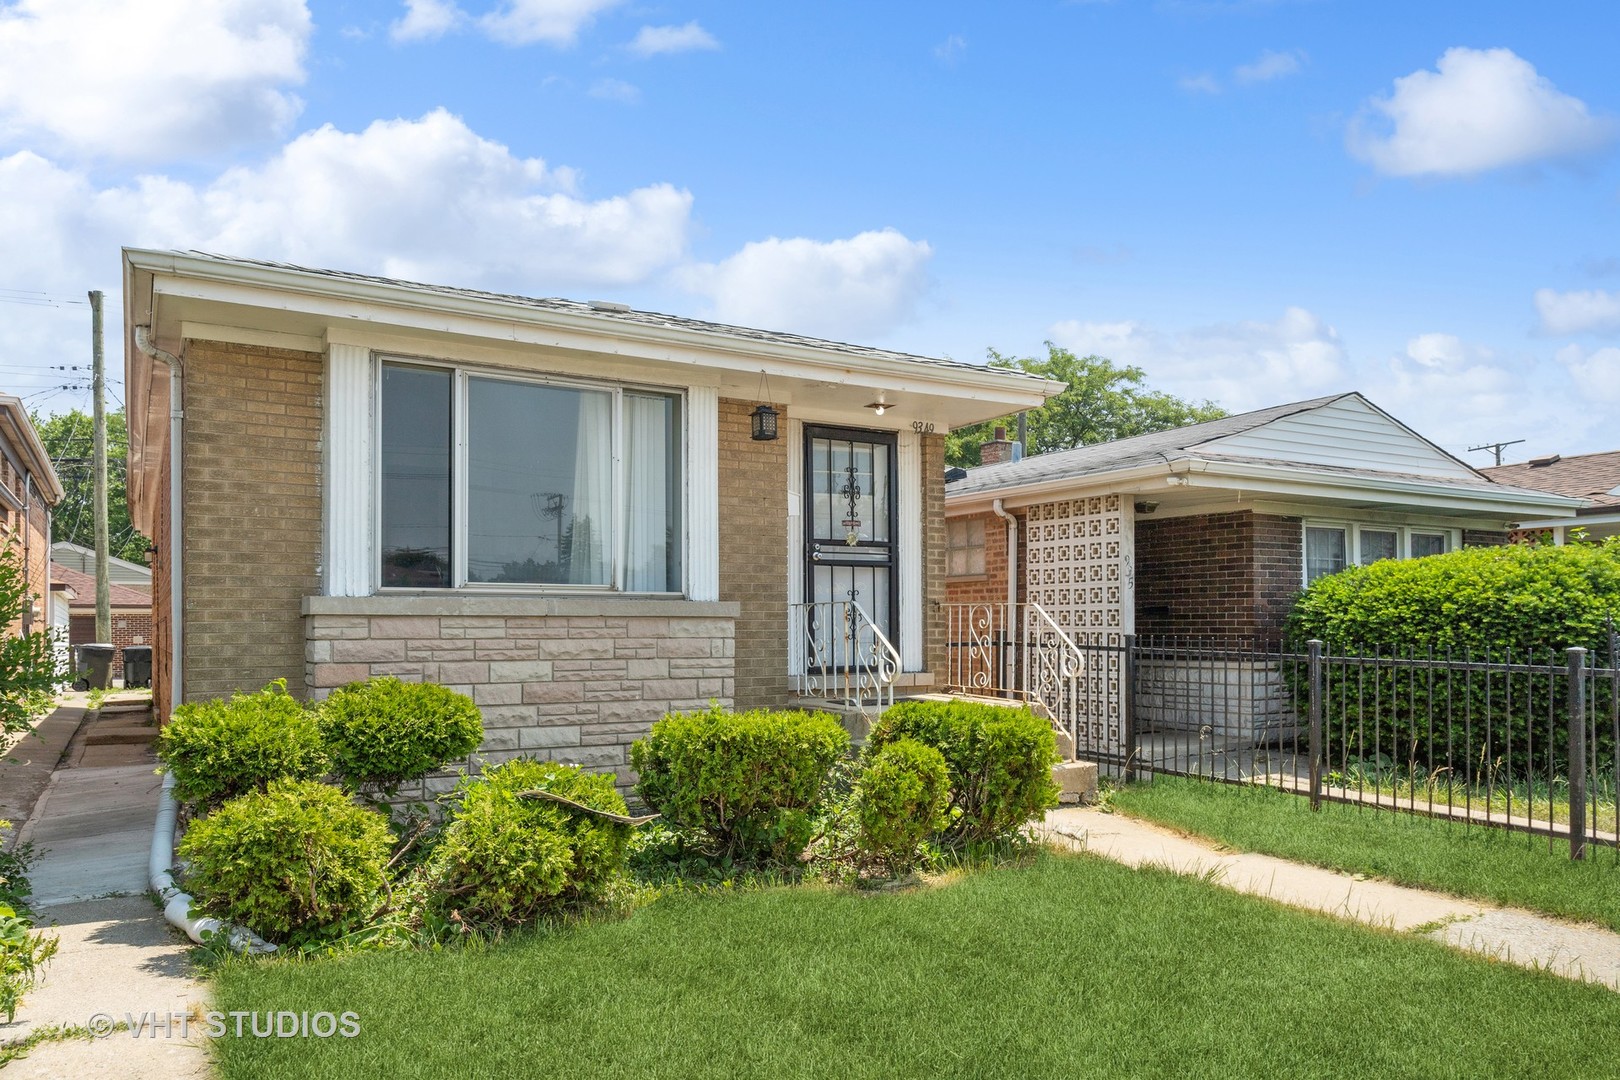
pixel 1253 201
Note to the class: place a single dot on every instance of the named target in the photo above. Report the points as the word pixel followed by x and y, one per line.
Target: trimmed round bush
pixel 220 749
pixel 384 731
pixel 901 797
pixel 505 860
pixel 749 780
pixel 999 761
pixel 296 863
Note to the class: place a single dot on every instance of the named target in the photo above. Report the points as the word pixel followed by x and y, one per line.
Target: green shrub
pixel 900 799
pixel 999 760
pixel 23 952
pixel 295 863
pixel 750 780
pixel 30 670
pixel 1479 603
pixel 504 860
pixel 384 731
pixel 220 749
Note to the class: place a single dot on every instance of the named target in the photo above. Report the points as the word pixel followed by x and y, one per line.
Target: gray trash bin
pixel 94 667
pixel 137 665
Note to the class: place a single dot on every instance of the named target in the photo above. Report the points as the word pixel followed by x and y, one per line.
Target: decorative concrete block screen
pixel 1080 569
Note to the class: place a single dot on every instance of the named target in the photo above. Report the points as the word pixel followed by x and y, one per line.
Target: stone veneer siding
pixel 754 553
pixel 252 460
pixel 1225 576
pixel 564 680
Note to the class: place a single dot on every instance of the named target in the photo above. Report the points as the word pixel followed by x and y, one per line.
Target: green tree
pixel 67 438
pixel 1103 402
pixel 29 669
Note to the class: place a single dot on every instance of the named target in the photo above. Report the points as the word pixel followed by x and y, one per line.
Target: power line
pixel 1495 448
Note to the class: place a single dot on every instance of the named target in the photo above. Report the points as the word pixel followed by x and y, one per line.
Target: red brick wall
pixel 991 587
pixel 128 628
pixel 1481 538
pixel 1223 576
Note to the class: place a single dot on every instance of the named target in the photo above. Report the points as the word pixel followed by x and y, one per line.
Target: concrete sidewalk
pixel 93 830
pixel 1580 952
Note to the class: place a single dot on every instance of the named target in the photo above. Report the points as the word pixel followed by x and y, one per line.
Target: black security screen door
pixel 849 549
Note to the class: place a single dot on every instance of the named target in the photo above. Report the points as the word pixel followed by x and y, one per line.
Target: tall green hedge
pixel 1524 603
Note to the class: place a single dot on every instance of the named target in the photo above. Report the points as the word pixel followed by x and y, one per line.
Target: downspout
pixel 143 342
pixel 1012 586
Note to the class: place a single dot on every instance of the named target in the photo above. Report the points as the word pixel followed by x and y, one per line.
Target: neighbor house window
pixel 964 547
pixel 496 480
pixel 1332 546
pixel 1326 552
pixel 1429 543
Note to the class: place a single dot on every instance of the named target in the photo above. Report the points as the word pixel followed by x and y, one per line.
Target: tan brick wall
pixel 936 591
pixel 162 626
pixel 252 456
pixel 571 688
pixel 754 553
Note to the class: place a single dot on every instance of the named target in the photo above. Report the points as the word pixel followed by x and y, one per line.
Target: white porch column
pixel 910 548
pixel 346 549
pixel 703 492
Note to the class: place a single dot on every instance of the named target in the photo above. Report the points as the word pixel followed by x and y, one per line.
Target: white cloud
pixel 1439 352
pixel 657 40
pixel 615 90
pixel 1596 373
pixel 1270 65
pixel 104 78
pixel 1481 110
pixel 949 51
pixel 1243 365
pixel 426 19
pixel 555 22
pixel 854 289
pixel 1200 84
pixel 425 199
pixel 1591 310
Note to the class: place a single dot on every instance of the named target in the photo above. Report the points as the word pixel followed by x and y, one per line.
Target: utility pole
pixel 1495 448
pixel 98 450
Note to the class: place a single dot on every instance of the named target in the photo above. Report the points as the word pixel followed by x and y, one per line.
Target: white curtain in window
pixel 592 537
pixel 647 516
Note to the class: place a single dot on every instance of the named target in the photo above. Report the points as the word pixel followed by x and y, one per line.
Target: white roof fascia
pixel 1583 519
pixel 1063 488
pixel 1407 490
pixel 345 300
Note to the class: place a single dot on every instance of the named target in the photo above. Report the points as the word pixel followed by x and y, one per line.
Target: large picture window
pixel 555 484
pixel 1332 546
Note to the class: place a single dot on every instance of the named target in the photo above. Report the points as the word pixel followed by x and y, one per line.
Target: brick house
pixel 130 609
pixel 1205 532
pixel 557 507
pixel 1592 477
pixel 29 489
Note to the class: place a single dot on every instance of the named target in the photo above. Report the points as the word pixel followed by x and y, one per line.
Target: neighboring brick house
pixel 1208 532
pixel 131 612
pixel 557 507
pixel 29 489
pixel 1593 477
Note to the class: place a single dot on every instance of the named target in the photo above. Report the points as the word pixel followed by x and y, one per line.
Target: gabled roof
pixel 19 432
pixel 119 571
pixel 1342 441
pixel 84 589
pixel 1587 476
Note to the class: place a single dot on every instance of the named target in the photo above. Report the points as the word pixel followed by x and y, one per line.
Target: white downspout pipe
pixel 177 904
pixel 143 342
pixel 1010 656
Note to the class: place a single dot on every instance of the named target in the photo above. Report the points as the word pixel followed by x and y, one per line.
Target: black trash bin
pixel 94 667
pixel 137 666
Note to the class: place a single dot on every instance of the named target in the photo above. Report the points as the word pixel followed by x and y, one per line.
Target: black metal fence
pixel 1521 740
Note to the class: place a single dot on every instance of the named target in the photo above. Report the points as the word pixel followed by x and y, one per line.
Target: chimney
pixel 997 448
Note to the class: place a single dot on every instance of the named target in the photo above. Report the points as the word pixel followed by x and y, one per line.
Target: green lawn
pixel 1072 967
pixel 1474 861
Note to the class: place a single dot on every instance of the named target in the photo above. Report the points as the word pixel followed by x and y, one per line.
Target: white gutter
pixel 1012 553
pixel 896 372
pixel 1580 520
pixel 177 904
pixel 143 342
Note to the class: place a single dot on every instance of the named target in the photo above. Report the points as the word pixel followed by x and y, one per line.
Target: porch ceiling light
pixel 764 417
pixel 879 406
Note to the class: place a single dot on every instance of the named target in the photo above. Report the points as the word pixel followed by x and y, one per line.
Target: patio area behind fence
pixel 1518 740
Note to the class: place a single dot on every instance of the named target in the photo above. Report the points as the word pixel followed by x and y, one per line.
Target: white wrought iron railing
pixel 842 655
pixel 1015 651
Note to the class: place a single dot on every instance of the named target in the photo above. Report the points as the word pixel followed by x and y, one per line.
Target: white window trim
pixel 461 373
pixel 1353 529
